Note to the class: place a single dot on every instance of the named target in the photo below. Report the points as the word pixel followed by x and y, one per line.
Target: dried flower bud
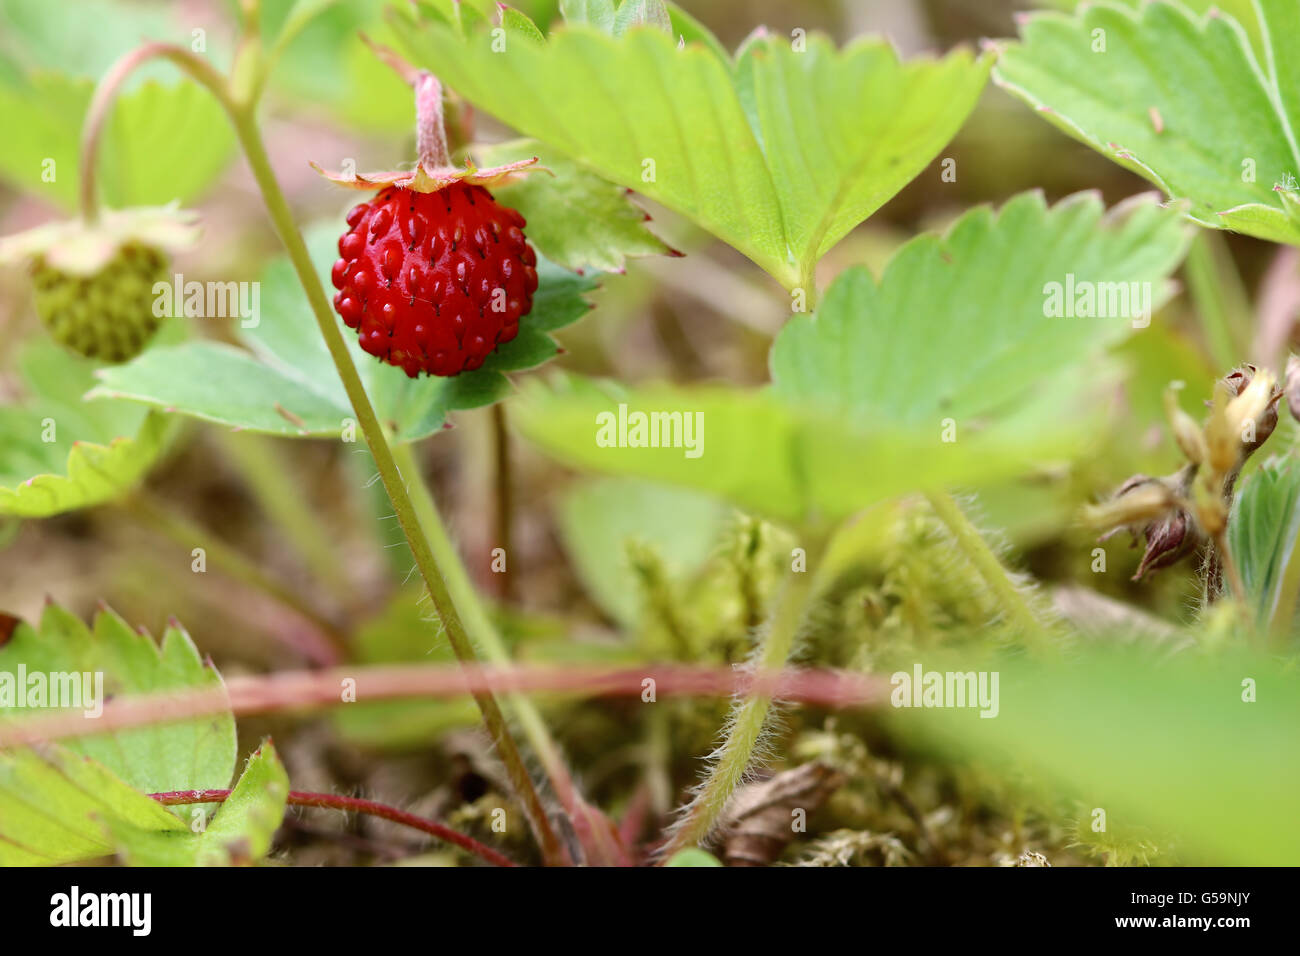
pixel 1168 541
pixel 1243 417
pixel 1139 501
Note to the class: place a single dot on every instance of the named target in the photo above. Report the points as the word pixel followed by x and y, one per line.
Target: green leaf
pixel 638 14
pixel 53 803
pixel 1181 100
pixel 1172 744
pixel 1264 527
pixel 948 371
pixel 598 518
pixel 575 218
pixel 779 155
pixel 793 464
pixel 287 384
pixel 693 856
pixel 598 14
pixel 58 453
pixel 957 328
pixel 518 23
pixel 844 131
pixel 56 799
pixel 146 158
pixel 240 833
pixel 195 754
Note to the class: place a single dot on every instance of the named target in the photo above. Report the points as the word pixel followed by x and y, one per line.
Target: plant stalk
pixel 480 624
pixel 332 801
pixel 977 551
pixel 749 717
pixel 278 208
pixel 242 117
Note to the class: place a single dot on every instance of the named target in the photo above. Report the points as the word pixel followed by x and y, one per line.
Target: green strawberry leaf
pixel 575 218
pixel 792 464
pixel 239 833
pixel 146 157
pixel 286 384
pixel 957 325
pixel 1181 100
pixel 1263 531
pixel 53 803
pixel 1202 748
pixel 59 453
pixel 779 154
pixel 642 13
pixel 55 799
pixel 598 518
pixel 948 371
pixel 194 754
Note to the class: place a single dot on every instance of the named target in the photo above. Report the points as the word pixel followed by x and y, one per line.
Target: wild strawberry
pixel 107 315
pixel 433 273
pixel 434 281
pixel 94 280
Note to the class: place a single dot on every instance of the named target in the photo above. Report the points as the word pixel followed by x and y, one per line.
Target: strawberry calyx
pixel 433 169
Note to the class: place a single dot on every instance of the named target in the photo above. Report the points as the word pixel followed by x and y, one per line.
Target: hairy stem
pixel 503 514
pixel 747 721
pixel 242 117
pixel 480 624
pixel 251 140
pixel 976 550
pixel 330 801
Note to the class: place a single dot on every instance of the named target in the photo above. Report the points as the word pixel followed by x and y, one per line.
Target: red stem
pixel 330 801
pixel 307 690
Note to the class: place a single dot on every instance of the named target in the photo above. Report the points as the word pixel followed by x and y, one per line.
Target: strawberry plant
pixel 685 451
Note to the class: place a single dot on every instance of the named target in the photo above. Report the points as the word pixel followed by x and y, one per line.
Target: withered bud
pixel 1139 501
pixel 1169 540
pixel 1243 417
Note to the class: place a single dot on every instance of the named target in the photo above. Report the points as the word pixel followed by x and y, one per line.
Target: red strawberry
pixel 434 281
pixel 434 274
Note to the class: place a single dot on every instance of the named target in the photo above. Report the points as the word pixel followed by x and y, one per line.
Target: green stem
pixel 241 111
pixel 230 561
pixel 251 140
pixel 476 618
pixel 977 551
pixel 503 516
pixel 748 718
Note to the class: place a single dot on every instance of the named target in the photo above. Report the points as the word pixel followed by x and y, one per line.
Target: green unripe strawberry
pixel 107 315
pixel 94 280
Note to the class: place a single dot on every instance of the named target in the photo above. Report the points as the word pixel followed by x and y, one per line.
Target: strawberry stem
pixel 430 133
pixel 331 801
pixel 243 117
